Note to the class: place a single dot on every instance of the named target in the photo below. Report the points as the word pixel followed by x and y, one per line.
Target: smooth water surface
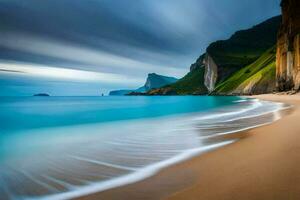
pixel 65 147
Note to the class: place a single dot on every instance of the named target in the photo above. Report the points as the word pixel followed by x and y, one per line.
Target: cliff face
pixel 156 81
pixel 153 81
pixel 119 92
pixel 225 57
pixel 288 47
pixel 191 84
pixel 256 78
pixel 211 73
pixel 243 64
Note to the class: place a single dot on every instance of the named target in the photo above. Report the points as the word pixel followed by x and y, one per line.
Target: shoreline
pixel 198 177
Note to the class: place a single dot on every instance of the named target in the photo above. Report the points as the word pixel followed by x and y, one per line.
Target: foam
pixel 240 111
pixel 130 178
pixel 138 174
pixel 103 163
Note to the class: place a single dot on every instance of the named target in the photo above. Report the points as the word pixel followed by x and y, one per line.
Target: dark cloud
pixel 12 71
pixel 167 34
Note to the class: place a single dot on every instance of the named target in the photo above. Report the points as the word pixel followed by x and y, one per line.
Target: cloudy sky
pixel 88 47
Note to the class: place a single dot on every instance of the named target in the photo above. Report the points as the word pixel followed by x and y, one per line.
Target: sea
pixel 65 147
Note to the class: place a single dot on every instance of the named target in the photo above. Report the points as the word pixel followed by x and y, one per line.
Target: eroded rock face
pixel 225 57
pixel 255 86
pixel 288 47
pixel 211 72
pixel 156 81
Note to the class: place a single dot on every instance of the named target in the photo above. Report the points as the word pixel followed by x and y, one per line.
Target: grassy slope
pixel 240 50
pixel 191 83
pixel 258 74
pixel 243 47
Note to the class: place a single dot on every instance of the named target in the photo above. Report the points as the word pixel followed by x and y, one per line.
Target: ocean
pixel 66 147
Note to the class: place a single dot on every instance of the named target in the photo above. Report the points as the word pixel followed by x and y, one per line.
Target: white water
pixel 74 161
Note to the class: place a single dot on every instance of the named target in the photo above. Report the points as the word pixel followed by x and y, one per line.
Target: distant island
pixel 153 81
pixel 41 95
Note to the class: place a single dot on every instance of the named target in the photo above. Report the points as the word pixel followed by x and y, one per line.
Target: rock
pixel 136 94
pixel 41 95
pixel 225 57
pixel 211 73
pixel 288 47
pixel 119 92
pixel 153 81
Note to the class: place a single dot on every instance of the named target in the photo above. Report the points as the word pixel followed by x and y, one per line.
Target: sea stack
pixel 288 47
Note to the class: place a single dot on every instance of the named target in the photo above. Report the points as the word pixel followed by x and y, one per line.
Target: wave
pixel 96 157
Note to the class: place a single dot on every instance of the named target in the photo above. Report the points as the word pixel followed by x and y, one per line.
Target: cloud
pixel 180 18
pixel 100 60
pixel 50 72
pixel 93 41
pixel 10 71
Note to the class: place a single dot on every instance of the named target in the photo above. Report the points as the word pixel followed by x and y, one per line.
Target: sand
pixel 264 165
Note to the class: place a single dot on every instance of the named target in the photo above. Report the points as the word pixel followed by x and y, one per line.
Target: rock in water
pixel 41 95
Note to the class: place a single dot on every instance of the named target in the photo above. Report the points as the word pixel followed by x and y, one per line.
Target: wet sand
pixel 264 165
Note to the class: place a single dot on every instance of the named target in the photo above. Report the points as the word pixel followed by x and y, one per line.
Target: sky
pixel 89 47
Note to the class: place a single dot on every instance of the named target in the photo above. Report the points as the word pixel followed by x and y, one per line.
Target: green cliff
pixel 242 64
pixel 243 47
pixel 256 78
pixel 153 81
pixel 191 83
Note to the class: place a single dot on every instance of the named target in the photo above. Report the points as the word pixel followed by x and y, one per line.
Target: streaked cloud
pixel 99 60
pixel 59 73
pixel 112 44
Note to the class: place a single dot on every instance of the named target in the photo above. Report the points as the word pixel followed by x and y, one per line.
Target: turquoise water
pixel 19 113
pixel 65 147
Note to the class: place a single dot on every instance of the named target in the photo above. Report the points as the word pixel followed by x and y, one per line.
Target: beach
pixel 264 164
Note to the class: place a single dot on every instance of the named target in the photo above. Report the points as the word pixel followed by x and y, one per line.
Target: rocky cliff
pixel 119 92
pixel 191 84
pixel 225 57
pixel 153 81
pixel 157 81
pixel 256 78
pixel 243 64
pixel 288 47
pixel 211 72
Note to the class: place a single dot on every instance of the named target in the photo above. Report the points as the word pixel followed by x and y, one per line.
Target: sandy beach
pixel 264 164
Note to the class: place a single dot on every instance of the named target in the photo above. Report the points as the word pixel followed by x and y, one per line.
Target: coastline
pixel 236 171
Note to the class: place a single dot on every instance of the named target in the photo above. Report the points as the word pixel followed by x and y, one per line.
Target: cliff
pixel 243 64
pixel 119 92
pixel 256 78
pixel 191 84
pixel 153 81
pixel 288 47
pixel 225 57
pixel 211 72
pixel 157 81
